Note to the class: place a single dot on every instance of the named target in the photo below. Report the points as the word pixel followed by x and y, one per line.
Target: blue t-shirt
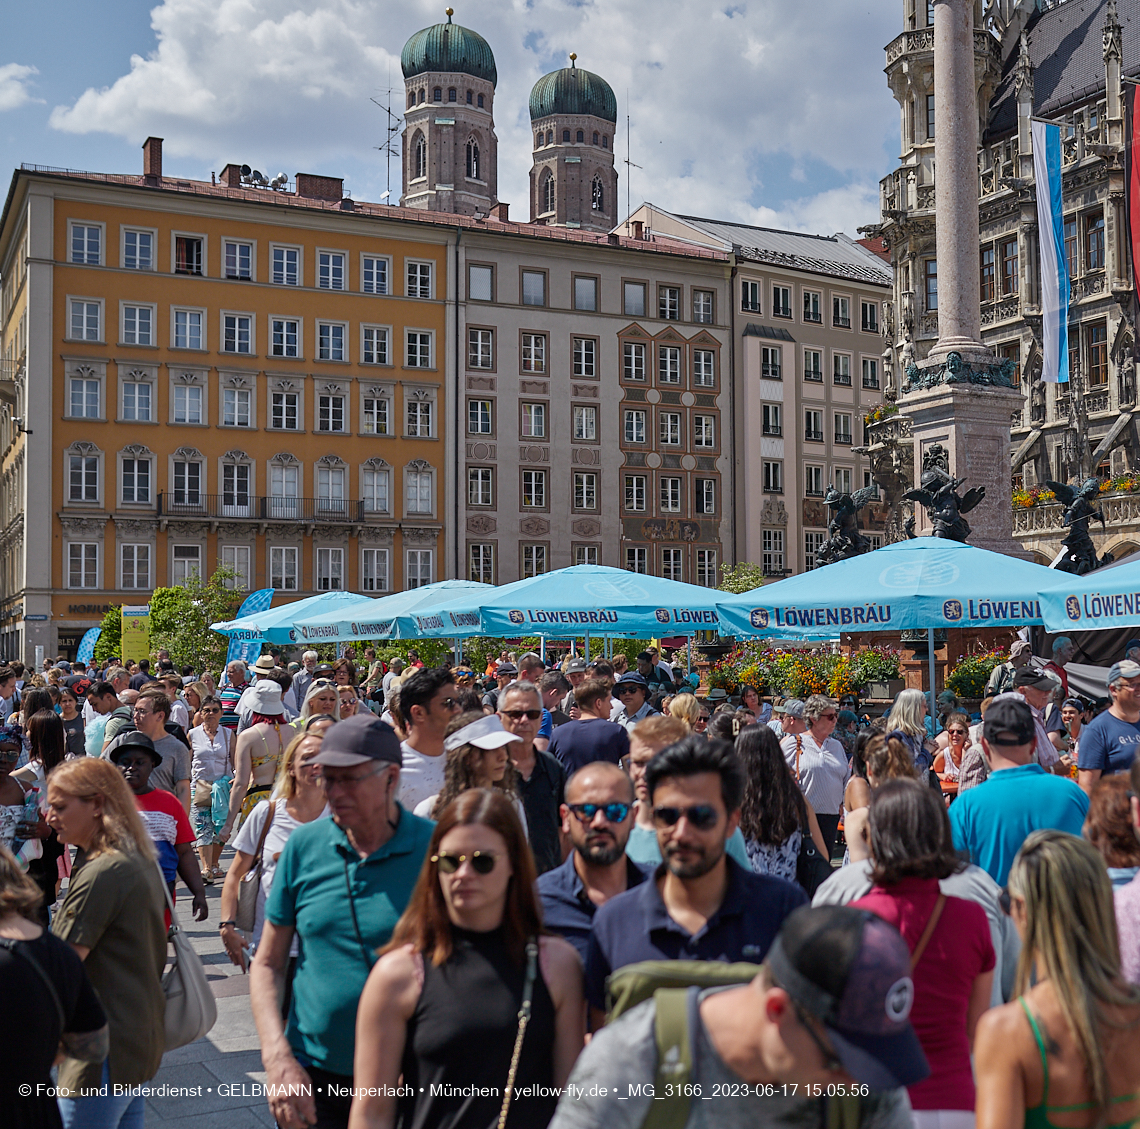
pixel 1108 744
pixel 579 743
pixel 636 926
pixel 992 820
pixel 546 727
pixel 311 894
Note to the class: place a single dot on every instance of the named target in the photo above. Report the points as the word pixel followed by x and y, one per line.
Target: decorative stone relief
pixel 482 524
pixel 330 461
pixel 187 453
pixel 186 528
pixel 376 535
pixel 533 387
pixel 773 512
pixel 481 384
pixel 137 450
pixel 419 464
pixel 585 456
pixel 283 458
pixel 125 527
pixel 481 450
pixel 588 390
pixel 586 527
pixel 290 532
pixel 534 454
pixel 955 370
pixel 235 381
pixel 375 463
pixel 419 536
pixel 82 447
pixel 534 526
pixel 236 456
pixel 83 526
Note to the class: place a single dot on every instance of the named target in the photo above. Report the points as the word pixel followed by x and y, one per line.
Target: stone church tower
pixel 450 148
pixel 573 182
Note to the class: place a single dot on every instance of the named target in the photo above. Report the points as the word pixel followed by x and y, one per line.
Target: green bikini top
pixel 1038 1116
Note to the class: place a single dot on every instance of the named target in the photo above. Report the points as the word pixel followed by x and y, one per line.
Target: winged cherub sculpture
pixel 1080 552
pixel 938 492
pixel 843 537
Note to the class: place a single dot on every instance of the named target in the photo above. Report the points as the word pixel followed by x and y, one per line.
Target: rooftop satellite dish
pixel 245 170
pixel 259 177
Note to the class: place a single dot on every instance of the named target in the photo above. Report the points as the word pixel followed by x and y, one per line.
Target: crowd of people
pixel 511 897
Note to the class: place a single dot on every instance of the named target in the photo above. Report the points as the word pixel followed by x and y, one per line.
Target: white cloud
pixel 14 79
pixel 766 109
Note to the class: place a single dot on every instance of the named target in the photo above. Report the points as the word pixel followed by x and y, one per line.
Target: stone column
pixel 956 178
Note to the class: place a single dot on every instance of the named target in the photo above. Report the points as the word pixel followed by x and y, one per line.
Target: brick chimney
pixel 152 160
pixel 638 229
pixel 500 212
pixel 231 176
pixel 320 187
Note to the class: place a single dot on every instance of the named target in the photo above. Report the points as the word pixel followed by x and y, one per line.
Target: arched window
pixel 598 196
pixel 595 137
pixel 480 101
pixel 581 137
pixel 548 194
pixel 565 135
pixel 451 94
pixel 472 159
pixel 605 141
pixel 550 137
pixel 423 95
pixel 437 94
pixel 411 98
pixel 469 98
pixel 419 149
pixel 538 141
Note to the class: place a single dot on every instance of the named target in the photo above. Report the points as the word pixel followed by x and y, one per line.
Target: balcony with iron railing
pixel 772 429
pixel 815 375
pixel 770 371
pixel 813 435
pixel 191 505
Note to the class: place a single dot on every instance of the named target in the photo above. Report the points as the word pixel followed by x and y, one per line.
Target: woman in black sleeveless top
pixel 441 1007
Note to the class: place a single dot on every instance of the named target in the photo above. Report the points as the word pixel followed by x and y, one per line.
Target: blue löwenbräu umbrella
pixel 927 582
pixel 275 625
pixel 582 599
pixel 1106 598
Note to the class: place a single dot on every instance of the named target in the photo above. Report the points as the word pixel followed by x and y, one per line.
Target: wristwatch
pixel 223 924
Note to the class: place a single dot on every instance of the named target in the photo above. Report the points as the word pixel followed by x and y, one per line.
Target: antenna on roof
pixel 629 165
pixel 392 128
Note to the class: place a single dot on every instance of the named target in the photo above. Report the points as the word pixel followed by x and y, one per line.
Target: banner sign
pixel 246 650
pixel 1054 265
pixel 136 632
pixel 86 650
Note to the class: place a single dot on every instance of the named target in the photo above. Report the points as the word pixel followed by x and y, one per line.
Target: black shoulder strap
pixel 14 946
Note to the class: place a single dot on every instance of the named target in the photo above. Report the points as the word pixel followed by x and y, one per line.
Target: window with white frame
pixel 83 564
pixel 585 294
pixel 187 483
pixel 843 427
pixel 283 567
pixel 330 270
pixel 418 491
pixel 771 357
pixel 813 425
pixel 374 416
pixel 375 277
pixel 419 349
pixel 84 397
pixel 83 478
pixel 284 490
pixel 330 413
pixel 533 288
pixel 374 570
pixel 585 490
pixel 138 325
pixel 703 306
pixel 534 352
pixel 481 563
pixel 772 552
pixel 136 480
pixel 704 431
pixel 188 256
pixel 813 539
pixel 534 489
pixel 635 493
pixel 704 496
pixel 85 320
pixel 330 489
pixel 586 554
pixel 633 361
pixel 479 417
pixel 813 481
pixel 634 429
pixel 374 485
pixel 330 570
pixel 188 329
pixel 585 422
pixel 235 559
pixel 284 410
pixel 533 560
pixel 374 350
pixel 138 250
pixel 870 372
pixel 706 568
pixel 235 489
pixel 419 415
pixel 841 479
pixel 186 564
pixel 773 477
pixel 480 348
pixel 286 266
pixel 781 301
pixel 135 566
pixel 86 243
pixel 840 312
pixel 285 337
pixel 236 407
pixel 137 400
pixel 419 280
pixel 480 283
pixel 637 560
pixel 669 364
pixel 633 299
pixel 772 420
pixel 813 365
pixel 669 302
pixel 330 341
pixel 671 568
pixel 585 357
pixel 670 495
pixel 704 368
pixel 841 371
pixel 534 421
pixel 479 486
pixel 187 403
pixel 750 296
pixel 812 300
pixel 669 427
pixel 238 258
pixel 418 567
pixel 870 316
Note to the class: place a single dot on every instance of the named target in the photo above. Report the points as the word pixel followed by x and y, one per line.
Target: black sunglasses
pixel 831 1061
pixel 702 816
pixel 613 813
pixel 514 715
pixel 482 862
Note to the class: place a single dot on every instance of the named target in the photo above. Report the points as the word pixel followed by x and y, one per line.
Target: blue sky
pixel 763 111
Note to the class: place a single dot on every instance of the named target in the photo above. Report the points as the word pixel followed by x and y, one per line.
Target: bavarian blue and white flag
pixel 255 602
pixel 1054 266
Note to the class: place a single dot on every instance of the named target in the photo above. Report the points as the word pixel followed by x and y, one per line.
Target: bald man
pixel 598 818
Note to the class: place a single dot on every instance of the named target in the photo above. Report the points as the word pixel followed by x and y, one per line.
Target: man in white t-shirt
pixel 428 701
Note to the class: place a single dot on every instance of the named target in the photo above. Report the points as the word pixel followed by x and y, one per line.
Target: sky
pixel 770 112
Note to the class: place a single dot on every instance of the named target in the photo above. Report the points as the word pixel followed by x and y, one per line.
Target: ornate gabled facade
pixel 1065 64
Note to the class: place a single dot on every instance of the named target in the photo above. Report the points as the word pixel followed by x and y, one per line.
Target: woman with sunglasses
pixel 320 698
pixel 211 746
pixel 948 763
pixel 476 747
pixel 442 1005
pixel 819 764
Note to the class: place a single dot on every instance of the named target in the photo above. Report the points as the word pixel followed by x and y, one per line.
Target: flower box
pixel 891 688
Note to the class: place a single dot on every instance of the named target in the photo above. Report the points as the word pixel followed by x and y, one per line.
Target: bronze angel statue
pixel 938 492
pixel 1079 551
pixel 843 537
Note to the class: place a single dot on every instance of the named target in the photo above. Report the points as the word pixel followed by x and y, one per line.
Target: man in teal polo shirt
pixel 992 820
pixel 341 885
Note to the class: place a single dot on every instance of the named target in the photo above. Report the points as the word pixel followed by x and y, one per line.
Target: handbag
pixel 812 869
pixel 249 885
pixel 190 1008
pixel 524 1020
pixel 203 794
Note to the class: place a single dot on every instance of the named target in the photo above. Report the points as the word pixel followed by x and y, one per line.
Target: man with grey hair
pixel 1110 741
pixel 304 676
pixel 395 670
pixel 531 669
pixel 1063 650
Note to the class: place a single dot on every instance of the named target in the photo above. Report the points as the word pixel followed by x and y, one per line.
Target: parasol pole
pixel 930 660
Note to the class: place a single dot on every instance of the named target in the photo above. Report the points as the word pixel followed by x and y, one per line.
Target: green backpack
pixel 669 982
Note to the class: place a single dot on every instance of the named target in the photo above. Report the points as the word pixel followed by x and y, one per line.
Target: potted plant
pixel 879 670
pixel 970 674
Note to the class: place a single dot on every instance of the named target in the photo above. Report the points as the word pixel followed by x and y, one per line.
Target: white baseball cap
pixel 486 733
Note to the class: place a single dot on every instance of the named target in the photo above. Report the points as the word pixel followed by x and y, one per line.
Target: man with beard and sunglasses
pixel 700 904
pixel 598 818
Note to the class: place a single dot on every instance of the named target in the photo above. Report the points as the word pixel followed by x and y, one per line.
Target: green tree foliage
pixel 743 577
pixel 110 641
pixel 180 619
